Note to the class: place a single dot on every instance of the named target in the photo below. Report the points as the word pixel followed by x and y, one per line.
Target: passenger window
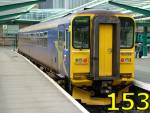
pixel 31 35
pixel 66 39
pixel 60 36
pixel 41 34
pixel 45 39
pixel 61 40
pixel 38 35
pixel 45 35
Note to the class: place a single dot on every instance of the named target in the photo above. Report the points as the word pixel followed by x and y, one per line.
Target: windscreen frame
pixel 133 35
pixel 73 33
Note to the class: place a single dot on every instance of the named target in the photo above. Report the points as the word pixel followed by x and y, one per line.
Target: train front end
pixel 101 56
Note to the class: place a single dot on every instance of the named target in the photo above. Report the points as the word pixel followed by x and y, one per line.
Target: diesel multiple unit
pixel 92 50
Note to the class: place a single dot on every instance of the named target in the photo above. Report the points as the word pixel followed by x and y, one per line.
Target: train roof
pixel 98 12
pixel 47 24
pixel 66 19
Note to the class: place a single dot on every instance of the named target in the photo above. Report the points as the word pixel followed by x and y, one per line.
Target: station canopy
pixel 140 10
pixel 22 10
pixel 12 10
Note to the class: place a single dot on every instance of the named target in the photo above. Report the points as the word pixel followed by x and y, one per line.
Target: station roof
pixel 9 2
pixel 10 10
pixel 19 9
pixel 22 11
pixel 140 10
pixel 137 8
pixel 39 14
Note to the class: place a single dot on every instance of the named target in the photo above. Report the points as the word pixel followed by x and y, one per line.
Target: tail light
pixel 85 60
pixel 81 61
pixel 125 60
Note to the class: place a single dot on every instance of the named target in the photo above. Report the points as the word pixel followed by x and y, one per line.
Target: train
pixel 91 51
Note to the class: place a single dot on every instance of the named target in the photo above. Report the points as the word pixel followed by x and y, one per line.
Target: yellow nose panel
pixel 105 49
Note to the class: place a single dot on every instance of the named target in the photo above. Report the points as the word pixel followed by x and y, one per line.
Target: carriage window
pixel 66 39
pixel 45 38
pixel 38 35
pixel 32 35
pixel 45 35
pixel 127 33
pixel 81 32
pixel 41 34
pixel 61 39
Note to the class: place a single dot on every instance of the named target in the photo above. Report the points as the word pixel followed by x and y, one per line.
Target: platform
pixel 25 89
pixel 142 73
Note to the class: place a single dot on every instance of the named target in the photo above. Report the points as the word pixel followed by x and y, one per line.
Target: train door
pixel 61 47
pixel 67 52
pixel 63 50
pixel 105 49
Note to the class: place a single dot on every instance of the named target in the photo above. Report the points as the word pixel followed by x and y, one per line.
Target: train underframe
pixel 97 93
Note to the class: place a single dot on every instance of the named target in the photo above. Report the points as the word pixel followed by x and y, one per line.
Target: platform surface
pixel 23 89
pixel 142 73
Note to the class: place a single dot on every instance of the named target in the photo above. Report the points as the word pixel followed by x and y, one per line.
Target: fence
pixel 11 42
